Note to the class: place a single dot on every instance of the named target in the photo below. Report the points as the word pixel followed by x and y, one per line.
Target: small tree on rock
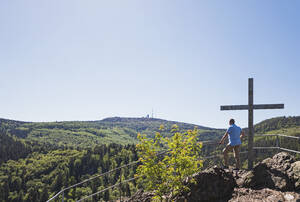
pixel 166 173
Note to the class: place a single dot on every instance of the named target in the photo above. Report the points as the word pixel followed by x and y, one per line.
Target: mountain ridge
pixel 113 119
pixel 120 130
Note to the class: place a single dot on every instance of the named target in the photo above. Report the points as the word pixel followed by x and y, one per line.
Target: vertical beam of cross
pixel 250 123
pixel 250 107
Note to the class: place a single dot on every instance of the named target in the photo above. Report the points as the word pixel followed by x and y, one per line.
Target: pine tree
pixel 106 196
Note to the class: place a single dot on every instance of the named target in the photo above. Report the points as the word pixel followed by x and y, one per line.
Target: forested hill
pixel 117 130
pixel 37 160
pixel 142 124
pixel 90 133
pixel 277 123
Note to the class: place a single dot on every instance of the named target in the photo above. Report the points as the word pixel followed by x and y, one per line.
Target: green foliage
pixel 12 148
pixel 40 176
pixel 164 174
pixel 39 159
pixel 277 123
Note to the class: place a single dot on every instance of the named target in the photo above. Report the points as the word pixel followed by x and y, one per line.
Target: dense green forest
pixel 277 123
pixel 40 176
pixel 37 160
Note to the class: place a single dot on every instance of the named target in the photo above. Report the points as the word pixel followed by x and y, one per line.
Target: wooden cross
pixel 250 107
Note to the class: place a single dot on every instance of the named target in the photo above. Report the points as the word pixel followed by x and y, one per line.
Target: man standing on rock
pixel 234 134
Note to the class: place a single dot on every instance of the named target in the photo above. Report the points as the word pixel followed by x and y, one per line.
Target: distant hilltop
pixel 264 126
pixel 125 119
pixel 122 130
pixel 152 120
pixel 119 130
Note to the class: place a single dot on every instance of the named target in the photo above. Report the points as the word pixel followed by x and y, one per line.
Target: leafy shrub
pixel 166 173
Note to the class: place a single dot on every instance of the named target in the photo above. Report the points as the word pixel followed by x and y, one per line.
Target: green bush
pixel 165 174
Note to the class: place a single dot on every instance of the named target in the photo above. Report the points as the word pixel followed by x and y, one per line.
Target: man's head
pixel 231 121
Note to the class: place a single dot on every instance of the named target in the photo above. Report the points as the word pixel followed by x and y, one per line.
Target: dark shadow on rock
pixel 214 184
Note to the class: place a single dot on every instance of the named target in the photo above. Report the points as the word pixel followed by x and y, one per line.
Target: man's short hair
pixel 231 121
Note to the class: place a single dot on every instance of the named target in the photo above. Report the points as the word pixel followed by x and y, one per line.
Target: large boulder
pixel 273 173
pixel 214 184
pixel 266 194
pixel 294 173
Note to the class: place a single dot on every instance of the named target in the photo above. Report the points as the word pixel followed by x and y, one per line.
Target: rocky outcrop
pixel 266 195
pixel 279 173
pixel 273 179
pixel 294 173
pixel 213 184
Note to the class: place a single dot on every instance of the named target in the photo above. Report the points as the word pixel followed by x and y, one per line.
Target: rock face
pixel 213 184
pixel 273 179
pixel 280 173
pixel 266 194
pixel 295 174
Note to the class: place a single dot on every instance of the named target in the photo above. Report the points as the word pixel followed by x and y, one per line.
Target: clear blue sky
pixel 87 60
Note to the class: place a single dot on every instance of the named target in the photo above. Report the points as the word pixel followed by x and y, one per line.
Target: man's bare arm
pixel 242 134
pixel 223 138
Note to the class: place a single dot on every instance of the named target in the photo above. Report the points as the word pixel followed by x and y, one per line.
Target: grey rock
pixel 295 174
pixel 273 179
pixel 266 194
pixel 273 173
pixel 213 184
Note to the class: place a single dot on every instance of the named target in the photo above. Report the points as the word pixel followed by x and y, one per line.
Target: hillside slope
pixel 90 133
pixel 45 157
pixel 277 123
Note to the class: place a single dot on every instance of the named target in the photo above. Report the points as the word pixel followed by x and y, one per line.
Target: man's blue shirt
pixel 234 133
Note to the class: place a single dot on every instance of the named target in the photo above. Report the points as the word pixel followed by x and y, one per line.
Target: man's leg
pixel 226 150
pixel 236 150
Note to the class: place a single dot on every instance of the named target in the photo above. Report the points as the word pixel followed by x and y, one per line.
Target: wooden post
pixel 277 143
pixel 121 185
pixel 250 124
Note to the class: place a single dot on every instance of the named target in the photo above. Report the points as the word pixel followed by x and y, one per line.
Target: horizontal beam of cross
pixel 257 106
pixel 268 106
